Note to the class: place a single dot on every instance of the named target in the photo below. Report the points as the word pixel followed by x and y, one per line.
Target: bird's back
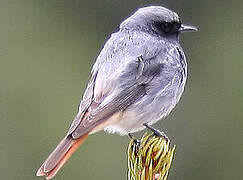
pixel 117 65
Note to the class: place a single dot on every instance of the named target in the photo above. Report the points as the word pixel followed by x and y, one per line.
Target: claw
pixel 156 132
pixel 136 141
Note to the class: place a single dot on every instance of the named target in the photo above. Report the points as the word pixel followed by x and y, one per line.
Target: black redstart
pixel 137 79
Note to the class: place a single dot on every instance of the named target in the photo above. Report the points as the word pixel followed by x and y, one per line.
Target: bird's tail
pixel 59 156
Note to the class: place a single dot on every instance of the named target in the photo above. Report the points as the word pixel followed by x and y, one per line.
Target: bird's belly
pixel 149 109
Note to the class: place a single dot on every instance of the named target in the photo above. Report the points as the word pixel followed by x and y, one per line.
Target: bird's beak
pixel 187 28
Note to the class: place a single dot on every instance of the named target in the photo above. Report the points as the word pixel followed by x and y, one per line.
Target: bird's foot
pixel 156 132
pixel 136 141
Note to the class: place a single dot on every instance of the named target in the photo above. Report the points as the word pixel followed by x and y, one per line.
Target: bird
pixel 137 79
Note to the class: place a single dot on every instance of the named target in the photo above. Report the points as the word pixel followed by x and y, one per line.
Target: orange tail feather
pixel 59 156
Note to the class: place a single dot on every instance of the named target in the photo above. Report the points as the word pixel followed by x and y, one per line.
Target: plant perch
pixel 150 158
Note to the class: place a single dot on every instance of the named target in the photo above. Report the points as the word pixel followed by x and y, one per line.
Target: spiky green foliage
pixel 150 158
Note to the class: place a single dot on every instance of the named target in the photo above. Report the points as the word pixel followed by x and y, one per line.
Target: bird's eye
pixel 176 26
pixel 167 27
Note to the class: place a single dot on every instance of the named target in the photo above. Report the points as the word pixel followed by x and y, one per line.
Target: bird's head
pixel 160 20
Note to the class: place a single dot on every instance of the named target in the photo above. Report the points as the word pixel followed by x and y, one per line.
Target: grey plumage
pixel 117 68
pixel 138 77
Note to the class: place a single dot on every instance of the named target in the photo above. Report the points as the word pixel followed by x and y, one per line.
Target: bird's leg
pixel 156 131
pixel 136 141
pixel 130 135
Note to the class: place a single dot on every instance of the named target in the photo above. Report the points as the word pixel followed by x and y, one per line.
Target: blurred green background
pixel 46 52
